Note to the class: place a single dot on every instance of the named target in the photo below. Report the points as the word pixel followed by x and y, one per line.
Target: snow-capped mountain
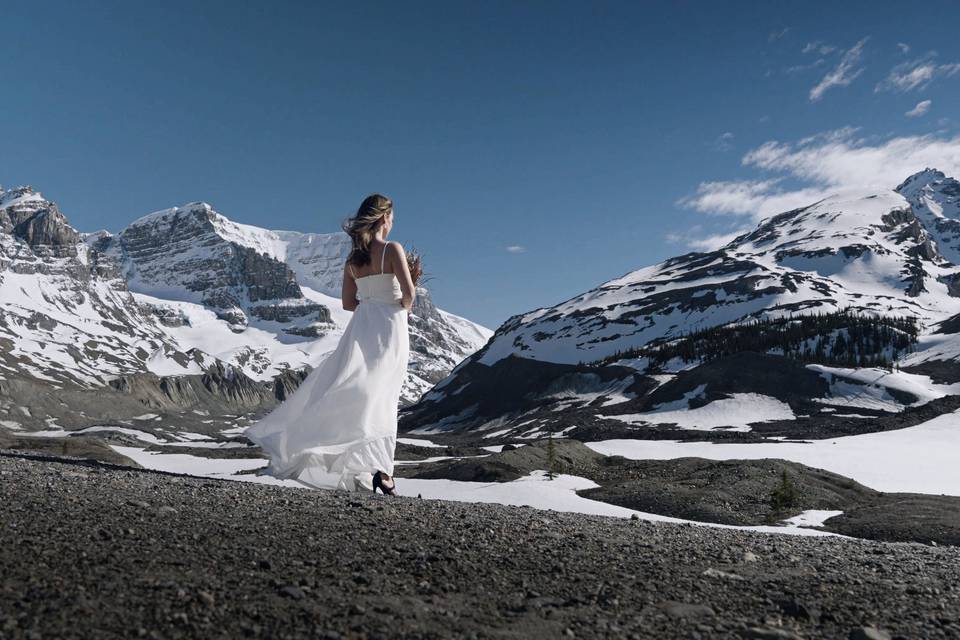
pixel 891 256
pixel 935 199
pixel 194 254
pixel 180 293
pixel 277 292
pixel 66 314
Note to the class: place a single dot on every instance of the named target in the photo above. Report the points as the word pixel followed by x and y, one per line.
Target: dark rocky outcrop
pixel 744 372
pixel 38 222
pixel 288 381
pixel 511 387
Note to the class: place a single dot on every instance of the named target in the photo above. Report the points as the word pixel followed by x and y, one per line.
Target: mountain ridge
pixel 183 292
pixel 860 251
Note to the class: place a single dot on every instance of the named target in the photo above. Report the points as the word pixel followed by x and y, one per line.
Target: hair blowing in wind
pixel 362 227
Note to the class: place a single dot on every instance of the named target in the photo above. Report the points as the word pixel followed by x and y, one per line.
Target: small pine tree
pixel 552 465
pixel 785 495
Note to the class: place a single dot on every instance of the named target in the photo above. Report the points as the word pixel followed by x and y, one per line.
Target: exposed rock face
pixel 287 382
pixel 935 199
pixel 27 216
pixel 194 252
pixel 220 386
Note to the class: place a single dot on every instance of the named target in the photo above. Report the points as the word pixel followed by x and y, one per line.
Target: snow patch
pixel 918 459
pixel 737 413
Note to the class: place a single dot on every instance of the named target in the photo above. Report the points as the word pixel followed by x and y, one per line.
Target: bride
pixel 339 429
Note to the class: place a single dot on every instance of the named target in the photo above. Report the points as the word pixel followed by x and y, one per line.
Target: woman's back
pixel 378 263
pixel 378 286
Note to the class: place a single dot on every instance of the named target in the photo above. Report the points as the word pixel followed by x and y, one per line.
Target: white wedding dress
pixel 340 426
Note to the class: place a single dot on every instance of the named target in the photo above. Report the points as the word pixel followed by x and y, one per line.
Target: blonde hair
pixel 363 226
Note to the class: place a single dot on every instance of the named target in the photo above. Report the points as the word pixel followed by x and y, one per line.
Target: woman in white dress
pixel 339 429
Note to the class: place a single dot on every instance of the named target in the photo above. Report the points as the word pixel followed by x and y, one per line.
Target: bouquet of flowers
pixel 415 265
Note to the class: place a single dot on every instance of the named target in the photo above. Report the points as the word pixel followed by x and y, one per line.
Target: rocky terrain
pixel 99 550
pixel 734 492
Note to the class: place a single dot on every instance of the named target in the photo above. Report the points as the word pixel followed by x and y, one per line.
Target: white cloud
pixel 754 198
pixel 714 242
pixel 844 73
pixel 776 35
pixel 922 107
pixel 904 48
pixel 839 159
pixel 916 74
pixel 724 141
pixel 797 68
pixel 684 237
pixel 819 48
pixel 907 76
pixel 694 238
pixel 821 165
pixel 515 248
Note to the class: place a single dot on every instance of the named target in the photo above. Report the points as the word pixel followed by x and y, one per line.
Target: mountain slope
pixel 866 255
pixel 265 301
pixel 183 311
pixel 66 314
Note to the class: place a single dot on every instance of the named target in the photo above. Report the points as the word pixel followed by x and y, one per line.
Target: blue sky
pixel 533 149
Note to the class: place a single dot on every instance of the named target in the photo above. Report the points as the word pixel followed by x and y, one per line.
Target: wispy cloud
pixel 843 74
pixel 797 68
pixel 773 36
pixel 904 48
pixel 697 239
pixel 515 248
pixel 916 74
pixel 922 107
pixel 751 198
pixel 714 242
pixel 678 237
pixel 724 141
pixel 818 166
pixel 820 48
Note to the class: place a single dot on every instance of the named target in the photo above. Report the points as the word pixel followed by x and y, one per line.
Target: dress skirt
pixel 341 423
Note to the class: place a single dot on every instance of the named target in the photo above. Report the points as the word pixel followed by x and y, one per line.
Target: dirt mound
pixel 735 492
pixel 570 456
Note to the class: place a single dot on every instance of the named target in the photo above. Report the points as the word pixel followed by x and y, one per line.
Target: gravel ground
pixel 95 550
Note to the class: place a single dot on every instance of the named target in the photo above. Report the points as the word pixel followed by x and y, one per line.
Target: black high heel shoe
pixel 385 483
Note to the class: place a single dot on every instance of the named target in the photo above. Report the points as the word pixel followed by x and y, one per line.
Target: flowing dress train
pixel 341 423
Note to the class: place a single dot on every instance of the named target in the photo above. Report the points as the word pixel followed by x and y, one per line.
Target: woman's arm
pixel 398 260
pixel 348 292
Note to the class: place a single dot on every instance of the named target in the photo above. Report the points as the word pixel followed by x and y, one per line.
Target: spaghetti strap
pixel 352 273
pixel 383 255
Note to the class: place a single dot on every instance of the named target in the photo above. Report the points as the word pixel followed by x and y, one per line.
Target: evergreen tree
pixel 552 464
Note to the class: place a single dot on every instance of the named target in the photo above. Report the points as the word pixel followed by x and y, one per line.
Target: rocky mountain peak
pixel 197 214
pixel 193 253
pixel 22 193
pixel 919 180
pixel 27 216
pixel 935 198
